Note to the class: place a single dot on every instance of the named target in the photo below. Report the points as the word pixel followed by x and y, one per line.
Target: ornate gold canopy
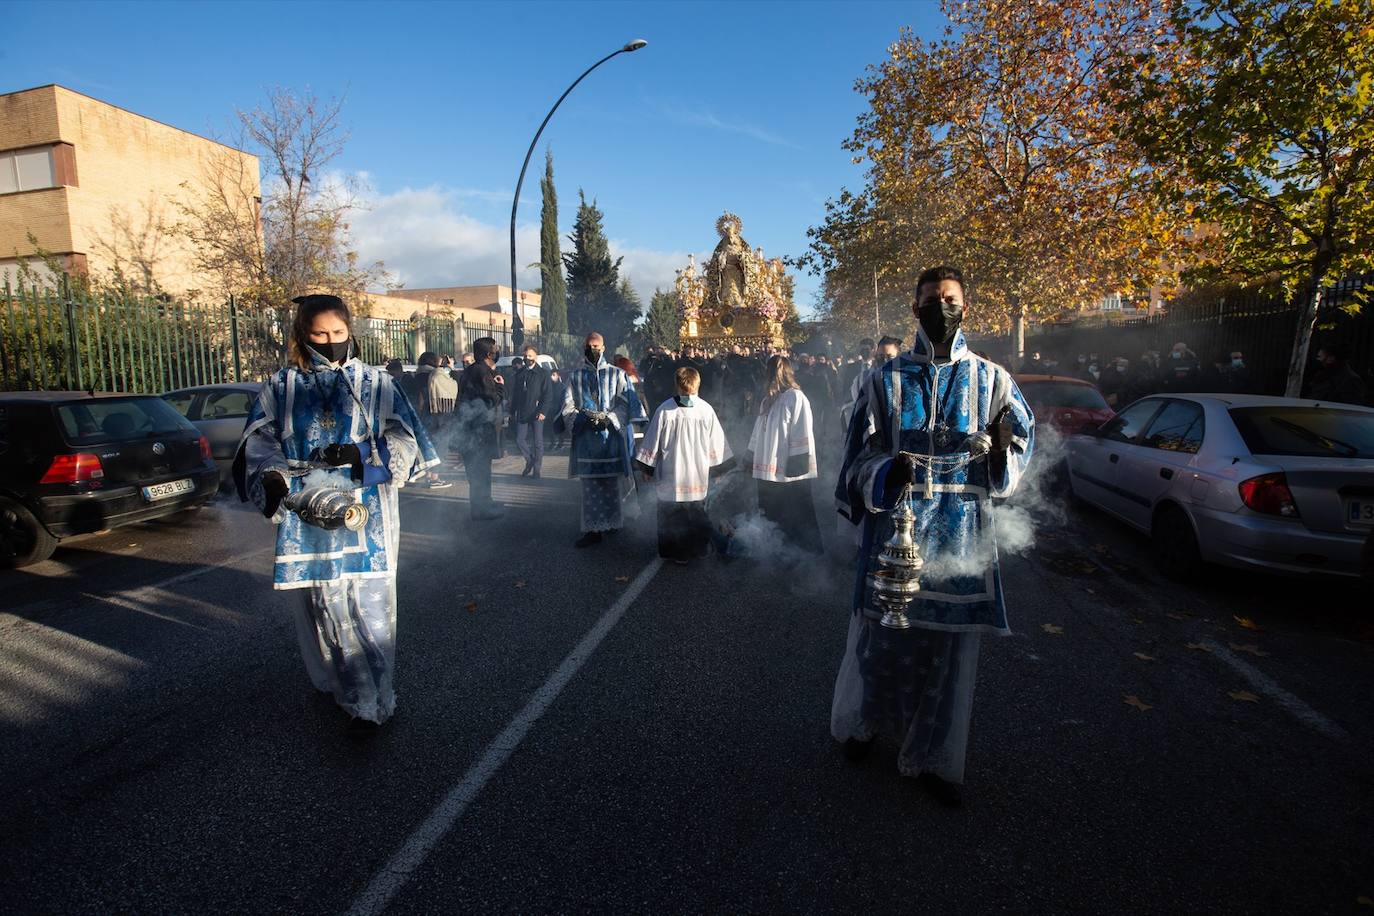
pixel 739 297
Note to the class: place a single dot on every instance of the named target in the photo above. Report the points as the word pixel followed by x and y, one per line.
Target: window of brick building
pixel 26 170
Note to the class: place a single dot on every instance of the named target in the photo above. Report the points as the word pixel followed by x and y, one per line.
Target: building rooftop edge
pixel 128 111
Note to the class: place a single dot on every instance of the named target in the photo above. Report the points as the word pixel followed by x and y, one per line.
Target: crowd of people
pixel 1123 380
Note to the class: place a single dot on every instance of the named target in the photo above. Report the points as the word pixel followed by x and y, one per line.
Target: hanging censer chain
pixel 897 580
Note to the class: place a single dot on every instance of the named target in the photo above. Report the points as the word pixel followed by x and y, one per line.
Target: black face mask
pixel 941 320
pixel 593 355
pixel 334 352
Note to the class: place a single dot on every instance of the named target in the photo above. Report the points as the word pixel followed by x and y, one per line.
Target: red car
pixel 1066 404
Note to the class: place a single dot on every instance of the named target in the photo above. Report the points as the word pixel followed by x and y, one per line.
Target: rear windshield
pixel 118 419
pixel 1314 432
pixel 1063 394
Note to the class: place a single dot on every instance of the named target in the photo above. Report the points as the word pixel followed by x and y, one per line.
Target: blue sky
pixel 732 105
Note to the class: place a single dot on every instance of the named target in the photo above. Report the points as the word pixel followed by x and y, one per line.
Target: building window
pixel 26 170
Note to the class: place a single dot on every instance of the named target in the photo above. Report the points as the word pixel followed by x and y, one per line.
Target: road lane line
pixel 1270 688
pixel 395 873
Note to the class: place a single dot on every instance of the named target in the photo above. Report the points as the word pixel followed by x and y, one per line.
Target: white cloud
pixel 425 238
pixel 649 269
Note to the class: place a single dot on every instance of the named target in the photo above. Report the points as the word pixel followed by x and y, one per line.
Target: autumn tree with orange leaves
pixel 995 148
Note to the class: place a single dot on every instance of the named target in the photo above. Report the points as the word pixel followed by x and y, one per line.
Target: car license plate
pixel 1359 512
pixel 170 488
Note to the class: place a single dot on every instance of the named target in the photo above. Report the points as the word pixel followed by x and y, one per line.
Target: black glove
pixel 902 473
pixel 338 454
pixel 341 455
pixel 1000 429
pixel 274 488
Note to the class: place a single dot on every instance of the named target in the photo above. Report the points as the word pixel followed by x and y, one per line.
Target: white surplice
pixel 683 442
pixel 783 430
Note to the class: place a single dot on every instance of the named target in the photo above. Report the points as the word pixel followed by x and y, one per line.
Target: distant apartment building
pixel 473 304
pixel 99 187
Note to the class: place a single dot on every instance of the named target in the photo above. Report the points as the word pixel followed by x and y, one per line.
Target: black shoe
pixel 943 791
pixel 535 474
pixel 529 468
pixel 856 750
pixel 362 728
pixel 488 515
pixel 588 539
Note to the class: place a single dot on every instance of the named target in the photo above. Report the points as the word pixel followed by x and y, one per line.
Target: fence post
pixel 74 369
pixel 234 338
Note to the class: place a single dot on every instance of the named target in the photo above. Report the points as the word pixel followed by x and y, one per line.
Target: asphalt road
pixel 561 747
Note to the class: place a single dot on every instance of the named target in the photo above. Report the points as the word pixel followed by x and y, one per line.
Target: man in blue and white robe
pixel 598 408
pixel 930 422
pixel 346 619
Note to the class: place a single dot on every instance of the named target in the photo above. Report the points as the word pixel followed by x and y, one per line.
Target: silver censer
pixel 328 507
pixel 897 579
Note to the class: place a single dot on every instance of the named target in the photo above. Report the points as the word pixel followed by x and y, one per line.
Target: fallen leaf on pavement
pixel 622 578
pixel 1174 616
pixel 1364 901
pixel 1197 647
pixel 1251 648
pixel 1143 657
pixel 1133 700
pixel 1246 622
pixel 471 606
pixel 1244 696
pixel 1051 628
pixel 519 583
pixel 1136 620
pixel 1090 591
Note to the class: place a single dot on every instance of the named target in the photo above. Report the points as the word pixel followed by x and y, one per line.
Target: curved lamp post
pixel 517 323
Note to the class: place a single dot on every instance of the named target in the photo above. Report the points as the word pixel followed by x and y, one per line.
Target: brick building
pixel 99 186
pixel 489 303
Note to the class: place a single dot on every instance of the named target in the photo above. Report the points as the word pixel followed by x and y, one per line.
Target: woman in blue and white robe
pixel 915 686
pixel 346 617
pixel 599 406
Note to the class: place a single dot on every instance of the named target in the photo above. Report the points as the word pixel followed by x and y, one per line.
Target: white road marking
pixel 412 854
pixel 1270 688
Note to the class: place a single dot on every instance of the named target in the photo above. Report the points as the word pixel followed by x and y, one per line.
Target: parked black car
pixel 74 462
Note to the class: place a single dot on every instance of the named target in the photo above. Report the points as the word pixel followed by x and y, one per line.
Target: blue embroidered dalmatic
pixel 298 412
pixel 601 452
pixel 929 407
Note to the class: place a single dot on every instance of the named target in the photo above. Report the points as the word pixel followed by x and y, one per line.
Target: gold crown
pixel 726 219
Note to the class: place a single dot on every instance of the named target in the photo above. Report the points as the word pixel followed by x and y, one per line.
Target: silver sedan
pixel 1247 481
pixel 219 412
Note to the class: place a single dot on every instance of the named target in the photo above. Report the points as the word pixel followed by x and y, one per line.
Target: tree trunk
pixel 1307 320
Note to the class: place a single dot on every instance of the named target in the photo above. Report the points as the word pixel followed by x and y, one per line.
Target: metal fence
pixel 57 338
pixel 1260 326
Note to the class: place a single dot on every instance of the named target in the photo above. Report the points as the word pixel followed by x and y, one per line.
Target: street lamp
pixel 517 323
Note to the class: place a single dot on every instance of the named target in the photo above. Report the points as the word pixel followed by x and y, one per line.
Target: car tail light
pixel 1269 494
pixel 205 449
pixel 83 467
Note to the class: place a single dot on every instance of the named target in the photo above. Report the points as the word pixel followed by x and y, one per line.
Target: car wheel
pixel 23 539
pixel 1175 545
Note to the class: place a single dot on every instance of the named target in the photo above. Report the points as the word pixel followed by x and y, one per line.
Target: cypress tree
pixel 593 277
pixel 661 324
pixel 553 290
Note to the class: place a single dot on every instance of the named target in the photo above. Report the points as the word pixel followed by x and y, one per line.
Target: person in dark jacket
pixel 1335 380
pixel 531 402
pixel 479 408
